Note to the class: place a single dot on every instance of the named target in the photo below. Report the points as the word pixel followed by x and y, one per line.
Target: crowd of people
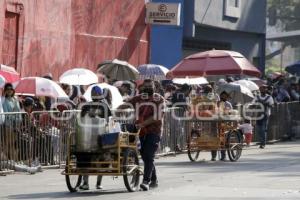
pixel 278 90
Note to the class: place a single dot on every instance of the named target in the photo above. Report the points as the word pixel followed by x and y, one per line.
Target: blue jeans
pixel 149 145
pixel 262 129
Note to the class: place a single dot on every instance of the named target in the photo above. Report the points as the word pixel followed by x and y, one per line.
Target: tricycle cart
pixel 92 152
pixel 214 134
pixel 213 128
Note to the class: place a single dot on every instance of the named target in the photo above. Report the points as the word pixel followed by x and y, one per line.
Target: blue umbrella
pixel 152 71
pixel 294 68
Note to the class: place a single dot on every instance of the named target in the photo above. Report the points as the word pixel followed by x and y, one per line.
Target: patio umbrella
pixel 214 62
pixel 238 93
pixel 190 81
pixel 248 84
pixel 78 76
pixel 37 86
pixel 117 98
pixel 151 71
pixel 9 73
pixel 294 68
pixel 118 70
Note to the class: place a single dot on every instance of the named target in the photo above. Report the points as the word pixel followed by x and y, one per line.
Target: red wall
pixel 55 35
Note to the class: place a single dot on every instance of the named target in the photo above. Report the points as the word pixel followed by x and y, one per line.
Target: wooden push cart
pixel 116 155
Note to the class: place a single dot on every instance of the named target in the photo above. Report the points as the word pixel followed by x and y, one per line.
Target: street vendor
pixel 224 107
pixel 149 107
pixel 98 107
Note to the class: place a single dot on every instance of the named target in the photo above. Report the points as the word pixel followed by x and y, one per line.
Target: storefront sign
pixel 163 13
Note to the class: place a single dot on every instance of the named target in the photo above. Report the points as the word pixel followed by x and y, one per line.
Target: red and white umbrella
pixel 37 86
pixel 9 74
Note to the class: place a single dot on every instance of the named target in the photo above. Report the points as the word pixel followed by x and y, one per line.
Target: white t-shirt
pixel 267 99
pixel 246 128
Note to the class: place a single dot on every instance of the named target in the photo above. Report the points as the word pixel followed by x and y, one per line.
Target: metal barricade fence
pixel 173 134
pixel 42 137
pixel 38 138
pixel 295 118
pixel 284 121
pixel 173 131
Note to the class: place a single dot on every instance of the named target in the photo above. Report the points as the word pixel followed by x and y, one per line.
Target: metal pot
pixel 87 133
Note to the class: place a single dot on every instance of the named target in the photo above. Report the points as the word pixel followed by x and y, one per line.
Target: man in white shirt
pixel 262 125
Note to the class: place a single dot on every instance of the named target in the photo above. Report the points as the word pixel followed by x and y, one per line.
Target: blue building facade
pixel 166 40
pixel 237 25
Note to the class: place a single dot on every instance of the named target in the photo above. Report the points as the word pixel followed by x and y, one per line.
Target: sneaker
pixel 99 187
pixel 144 186
pixel 262 146
pixel 223 158
pixel 84 187
pixel 153 184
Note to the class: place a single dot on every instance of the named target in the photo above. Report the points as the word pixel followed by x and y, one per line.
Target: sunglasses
pixel 9 89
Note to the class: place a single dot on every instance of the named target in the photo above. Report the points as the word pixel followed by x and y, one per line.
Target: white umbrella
pixel 151 71
pixel 191 81
pixel 238 93
pixel 117 98
pixel 78 76
pixel 37 86
pixel 118 70
pixel 248 84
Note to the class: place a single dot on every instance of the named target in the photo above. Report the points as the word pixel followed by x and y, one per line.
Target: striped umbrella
pixel 152 71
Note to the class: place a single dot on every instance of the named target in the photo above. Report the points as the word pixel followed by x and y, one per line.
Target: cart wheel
pixel 131 165
pixel 73 181
pixel 234 142
pixel 193 154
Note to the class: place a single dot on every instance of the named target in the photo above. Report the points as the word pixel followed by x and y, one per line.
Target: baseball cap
pixel 97 90
pixel 28 102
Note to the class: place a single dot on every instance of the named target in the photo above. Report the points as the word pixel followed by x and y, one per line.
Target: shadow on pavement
pixel 57 195
pixel 275 162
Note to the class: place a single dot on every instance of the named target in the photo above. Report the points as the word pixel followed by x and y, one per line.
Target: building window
pixel 10 39
pixel 296 54
pixel 232 8
pixel 13 32
pixel 233 3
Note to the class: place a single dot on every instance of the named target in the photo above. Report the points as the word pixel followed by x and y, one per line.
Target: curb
pixel 6 172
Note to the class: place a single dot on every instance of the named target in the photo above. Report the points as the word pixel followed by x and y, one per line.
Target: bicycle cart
pixel 210 131
pixel 92 152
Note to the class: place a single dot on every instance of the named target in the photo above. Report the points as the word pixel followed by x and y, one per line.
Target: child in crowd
pixel 247 130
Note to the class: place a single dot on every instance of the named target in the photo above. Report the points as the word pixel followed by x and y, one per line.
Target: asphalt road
pixel 271 173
